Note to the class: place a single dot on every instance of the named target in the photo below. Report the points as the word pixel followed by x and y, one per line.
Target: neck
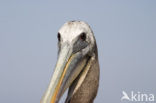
pixel 85 86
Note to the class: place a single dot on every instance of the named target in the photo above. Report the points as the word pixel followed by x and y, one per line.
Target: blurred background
pixel 125 31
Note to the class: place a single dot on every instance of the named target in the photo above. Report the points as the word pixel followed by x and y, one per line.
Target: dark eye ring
pixel 59 36
pixel 83 36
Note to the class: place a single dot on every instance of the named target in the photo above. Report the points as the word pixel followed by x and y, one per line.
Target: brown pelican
pixel 77 67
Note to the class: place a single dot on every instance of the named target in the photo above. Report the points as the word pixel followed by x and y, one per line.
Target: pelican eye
pixel 59 36
pixel 81 43
pixel 83 36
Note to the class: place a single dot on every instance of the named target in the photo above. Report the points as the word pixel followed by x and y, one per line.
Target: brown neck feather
pixel 87 89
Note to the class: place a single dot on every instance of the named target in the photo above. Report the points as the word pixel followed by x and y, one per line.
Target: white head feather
pixel 72 29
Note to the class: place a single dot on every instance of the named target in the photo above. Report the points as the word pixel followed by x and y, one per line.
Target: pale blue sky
pixel 125 31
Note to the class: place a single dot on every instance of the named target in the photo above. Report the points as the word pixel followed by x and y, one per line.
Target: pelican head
pixel 76 50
